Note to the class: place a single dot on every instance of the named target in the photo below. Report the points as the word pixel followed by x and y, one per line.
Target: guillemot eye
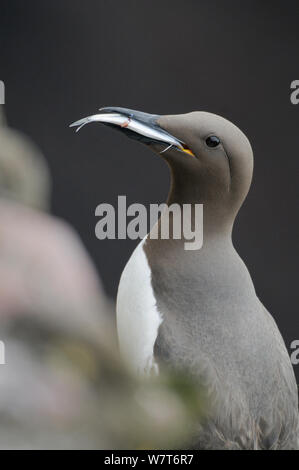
pixel 212 141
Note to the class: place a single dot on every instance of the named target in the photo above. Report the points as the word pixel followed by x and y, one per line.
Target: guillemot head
pixel 211 159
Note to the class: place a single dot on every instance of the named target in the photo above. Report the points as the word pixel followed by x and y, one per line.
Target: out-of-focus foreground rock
pixel 63 385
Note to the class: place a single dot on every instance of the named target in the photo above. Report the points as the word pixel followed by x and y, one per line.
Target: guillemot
pixel 198 310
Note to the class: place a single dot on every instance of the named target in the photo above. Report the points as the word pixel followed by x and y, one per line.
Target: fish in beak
pixel 137 125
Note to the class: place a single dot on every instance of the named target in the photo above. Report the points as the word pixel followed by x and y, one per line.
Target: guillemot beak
pixel 135 124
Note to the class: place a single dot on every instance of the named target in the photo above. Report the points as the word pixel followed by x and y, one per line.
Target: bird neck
pixel 218 218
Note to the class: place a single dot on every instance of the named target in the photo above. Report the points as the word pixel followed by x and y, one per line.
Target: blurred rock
pixel 24 175
pixel 42 260
pixel 45 271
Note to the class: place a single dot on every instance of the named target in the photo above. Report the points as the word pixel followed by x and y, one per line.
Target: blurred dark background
pixel 62 60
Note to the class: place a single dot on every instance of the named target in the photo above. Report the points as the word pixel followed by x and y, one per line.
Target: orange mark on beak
pixel 188 151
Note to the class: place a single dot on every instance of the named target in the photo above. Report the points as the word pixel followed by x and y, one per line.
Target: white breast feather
pixel 138 319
